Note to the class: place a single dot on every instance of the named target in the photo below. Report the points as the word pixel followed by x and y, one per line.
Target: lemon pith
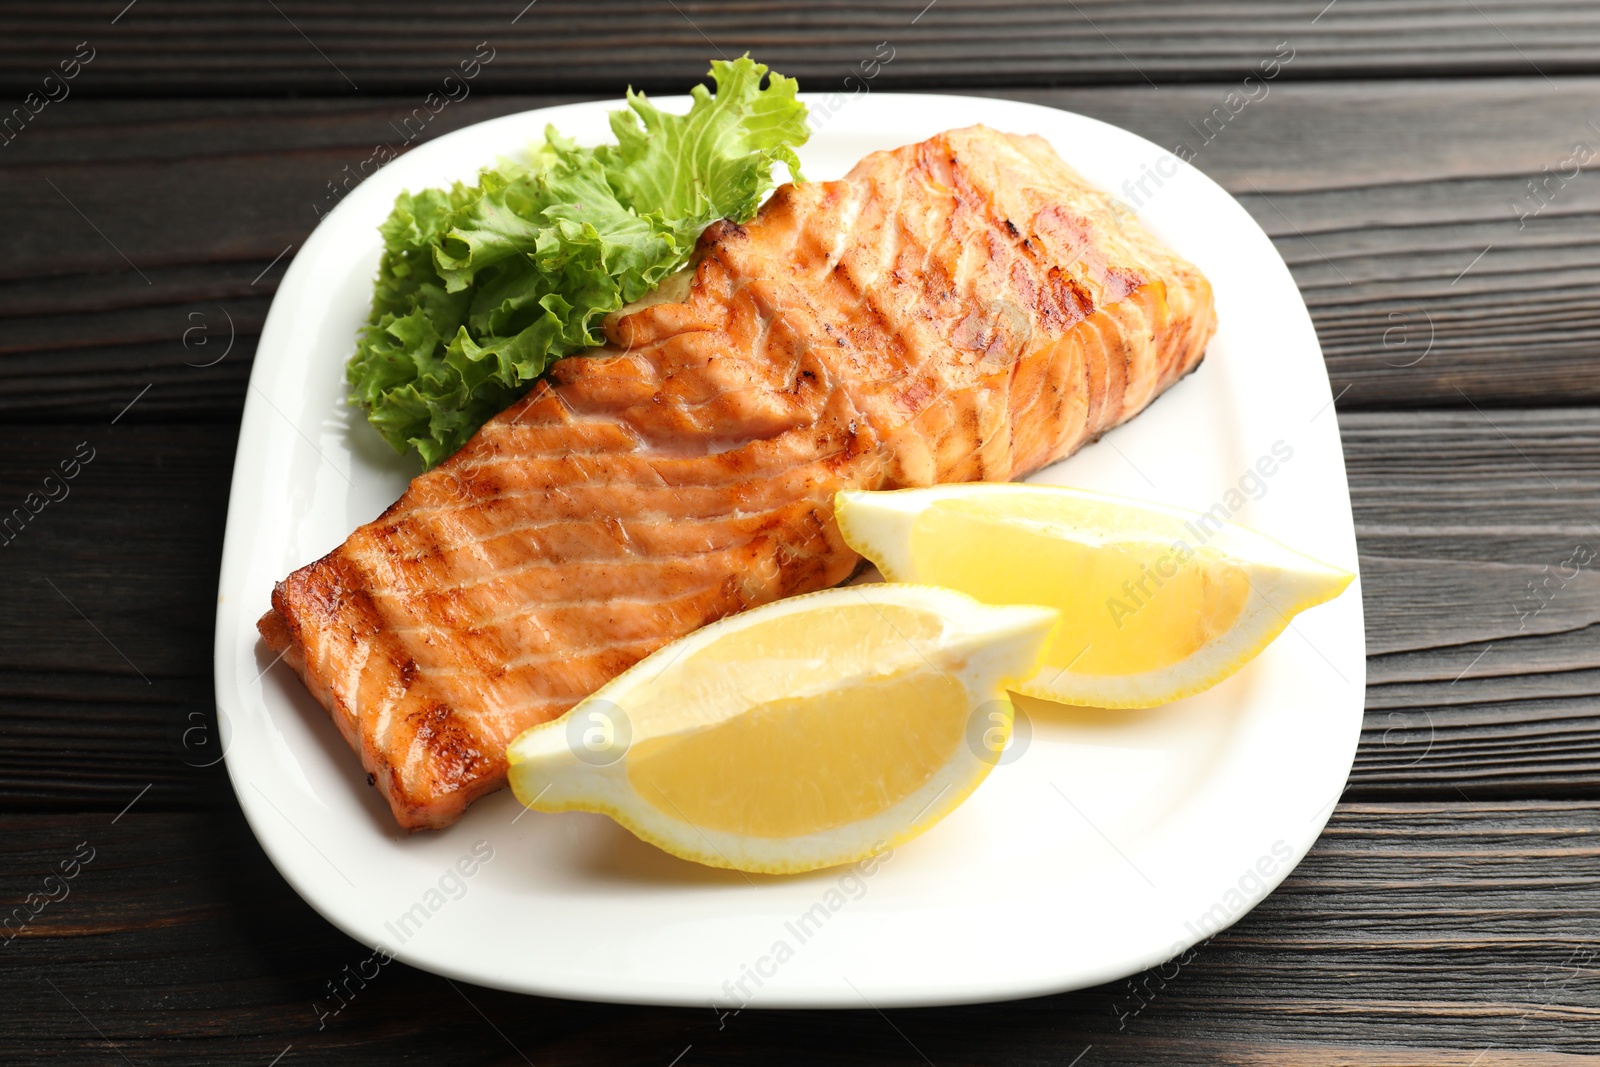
pixel 806 733
pixel 1157 603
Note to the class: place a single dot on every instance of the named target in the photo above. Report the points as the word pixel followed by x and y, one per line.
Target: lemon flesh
pixel 740 776
pixel 1157 603
pixel 815 731
pixel 1199 597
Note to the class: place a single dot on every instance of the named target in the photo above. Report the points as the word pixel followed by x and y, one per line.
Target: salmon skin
pixel 966 308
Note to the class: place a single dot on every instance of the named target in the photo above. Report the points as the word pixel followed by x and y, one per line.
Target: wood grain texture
pixel 1484 601
pixel 1478 685
pixel 141 236
pixel 236 47
pixel 105 640
pixel 1412 934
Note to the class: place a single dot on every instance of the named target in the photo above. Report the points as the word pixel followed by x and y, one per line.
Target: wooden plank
pixel 1412 934
pixel 1479 556
pixel 1477 685
pixel 105 643
pixel 235 47
pixel 203 197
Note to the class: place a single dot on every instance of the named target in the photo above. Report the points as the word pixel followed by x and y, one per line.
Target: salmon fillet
pixel 967 308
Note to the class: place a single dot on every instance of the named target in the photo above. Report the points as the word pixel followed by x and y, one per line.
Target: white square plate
pixel 1115 841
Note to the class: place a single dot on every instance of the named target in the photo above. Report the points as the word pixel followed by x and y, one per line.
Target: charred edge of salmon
pixel 278 634
pixel 1086 442
pixel 459 769
pixel 282 631
pixel 463 771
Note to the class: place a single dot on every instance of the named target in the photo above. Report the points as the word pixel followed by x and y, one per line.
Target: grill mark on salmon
pixel 958 309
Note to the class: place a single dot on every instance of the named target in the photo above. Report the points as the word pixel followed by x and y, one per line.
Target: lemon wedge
pixel 1157 603
pixel 809 732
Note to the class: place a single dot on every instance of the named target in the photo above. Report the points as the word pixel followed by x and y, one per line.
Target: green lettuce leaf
pixel 481 288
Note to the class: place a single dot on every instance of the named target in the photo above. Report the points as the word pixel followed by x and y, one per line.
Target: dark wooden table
pixel 1449 915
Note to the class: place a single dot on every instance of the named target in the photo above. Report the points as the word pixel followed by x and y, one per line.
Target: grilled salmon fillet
pixel 966 308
